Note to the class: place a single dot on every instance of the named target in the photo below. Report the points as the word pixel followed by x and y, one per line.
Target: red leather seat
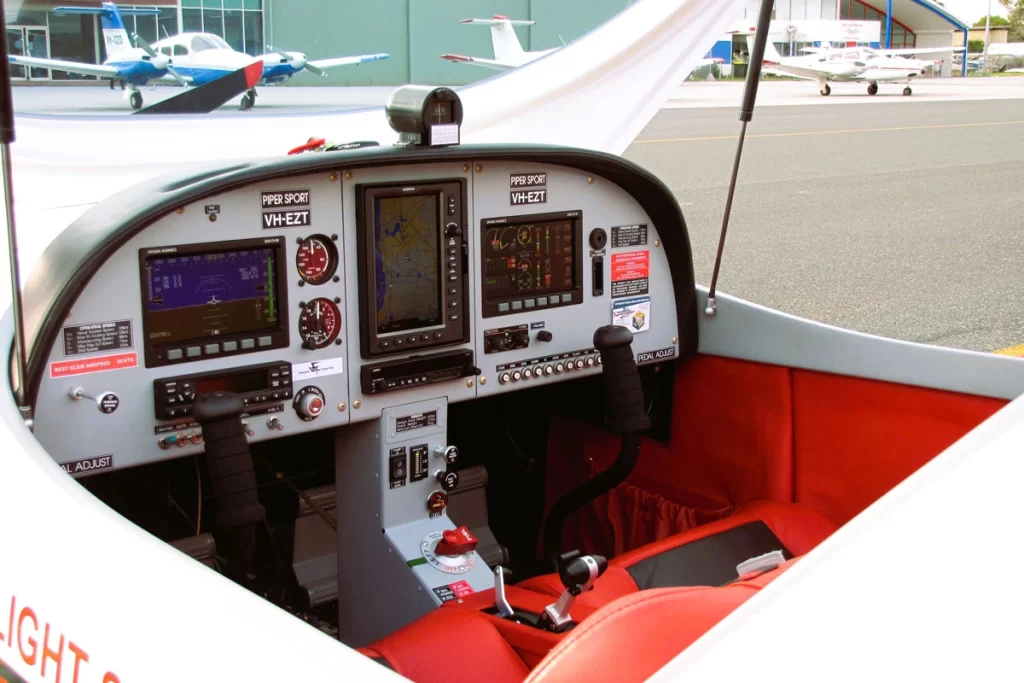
pixel 703 556
pixel 627 640
pixel 631 638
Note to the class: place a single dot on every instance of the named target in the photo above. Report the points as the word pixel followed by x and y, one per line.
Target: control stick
pixel 232 476
pixel 624 412
pixel 578 574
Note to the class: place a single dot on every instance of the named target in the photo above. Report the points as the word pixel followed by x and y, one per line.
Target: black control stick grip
pixel 227 454
pixel 623 394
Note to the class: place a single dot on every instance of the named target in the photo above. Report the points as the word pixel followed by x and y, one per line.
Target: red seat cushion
pixel 799 527
pixel 449 645
pixel 636 635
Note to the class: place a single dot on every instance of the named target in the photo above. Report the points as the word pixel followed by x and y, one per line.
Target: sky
pixel 972 10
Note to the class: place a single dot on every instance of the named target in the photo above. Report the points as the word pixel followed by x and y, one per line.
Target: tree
pixel 1016 18
pixel 993 22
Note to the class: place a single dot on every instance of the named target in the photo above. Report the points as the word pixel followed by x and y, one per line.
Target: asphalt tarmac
pixel 900 220
pixel 890 215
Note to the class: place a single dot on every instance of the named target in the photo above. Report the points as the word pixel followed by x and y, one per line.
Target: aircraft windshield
pixel 887 187
pixel 208 42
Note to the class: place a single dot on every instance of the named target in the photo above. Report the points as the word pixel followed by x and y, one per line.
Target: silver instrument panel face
pixel 258 291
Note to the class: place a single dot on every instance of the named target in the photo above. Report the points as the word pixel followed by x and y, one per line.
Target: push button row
pixel 552 300
pixel 218 347
pixel 544 370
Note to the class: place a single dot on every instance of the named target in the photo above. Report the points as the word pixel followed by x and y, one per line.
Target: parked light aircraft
pixel 508 51
pixel 186 59
pixel 857 64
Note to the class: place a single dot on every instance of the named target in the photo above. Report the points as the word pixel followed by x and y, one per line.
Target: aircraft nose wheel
pixel 873 89
pixel 248 99
pixel 826 91
pixel 907 90
pixel 136 100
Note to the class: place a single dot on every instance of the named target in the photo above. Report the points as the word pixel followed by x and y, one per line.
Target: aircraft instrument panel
pixel 328 297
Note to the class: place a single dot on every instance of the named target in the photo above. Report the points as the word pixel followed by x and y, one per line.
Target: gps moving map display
pixel 412 265
pixel 405 240
pixel 530 264
pixel 227 299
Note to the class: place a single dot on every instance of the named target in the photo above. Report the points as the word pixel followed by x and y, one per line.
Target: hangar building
pixel 415 32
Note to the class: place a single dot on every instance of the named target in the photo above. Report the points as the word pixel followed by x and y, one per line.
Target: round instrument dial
pixel 449 564
pixel 316 259
pixel 319 323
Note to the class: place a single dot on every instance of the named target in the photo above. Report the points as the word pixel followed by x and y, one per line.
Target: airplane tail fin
pixel 115 36
pixel 503 34
pixel 771 55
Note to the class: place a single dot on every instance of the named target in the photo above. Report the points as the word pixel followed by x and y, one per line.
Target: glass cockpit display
pixel 215 300
pixel 412 265
pixel 406 243
pixel 531 263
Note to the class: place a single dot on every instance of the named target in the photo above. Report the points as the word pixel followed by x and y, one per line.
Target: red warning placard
pixel 84 366
pixel 630 273
pixel 461 589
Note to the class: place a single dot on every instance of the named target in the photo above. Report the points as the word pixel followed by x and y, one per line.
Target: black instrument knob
pixel 448 480
pixel 544 336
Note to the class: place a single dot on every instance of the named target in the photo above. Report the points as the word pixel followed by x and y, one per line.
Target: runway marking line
pixel 1017 350
pixel 834 132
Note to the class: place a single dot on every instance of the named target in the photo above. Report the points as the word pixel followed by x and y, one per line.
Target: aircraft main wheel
pixel 826 91
pixel 136 100
pixel 246 102
pixel 252 93
pixel 873 89
pixel 907 90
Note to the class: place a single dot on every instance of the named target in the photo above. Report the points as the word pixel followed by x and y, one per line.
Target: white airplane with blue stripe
pixel 188 59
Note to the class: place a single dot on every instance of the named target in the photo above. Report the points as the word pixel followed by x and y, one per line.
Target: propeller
pixel 297 60
pixel 159 60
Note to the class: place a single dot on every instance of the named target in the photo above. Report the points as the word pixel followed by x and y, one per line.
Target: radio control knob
pixel 548 369
pixel 558 367
pixel 528 373
pixel 516 376
pixel 590 362
pixel 503 378
pixel 449 453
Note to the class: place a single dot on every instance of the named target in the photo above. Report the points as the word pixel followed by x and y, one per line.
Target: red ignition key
pixel 456 542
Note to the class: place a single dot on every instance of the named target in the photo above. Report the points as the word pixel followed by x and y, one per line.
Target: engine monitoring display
pixel 197 295
pixel 529 259
pixel 407 269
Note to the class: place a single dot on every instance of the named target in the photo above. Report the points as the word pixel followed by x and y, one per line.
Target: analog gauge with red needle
pixel 319 323
pixel 317 259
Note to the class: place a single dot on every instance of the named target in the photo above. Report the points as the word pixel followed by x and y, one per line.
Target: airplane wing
pixel 61 65
pixel 342 61
pixel 915 50
pixel 479 61
pixel 168 78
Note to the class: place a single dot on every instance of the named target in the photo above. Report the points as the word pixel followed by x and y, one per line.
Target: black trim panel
pixel 709 561
pixel 77 253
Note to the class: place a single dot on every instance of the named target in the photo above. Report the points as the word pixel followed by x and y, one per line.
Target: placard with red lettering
pixel 631 271
pixel 461 589
pixel 85 366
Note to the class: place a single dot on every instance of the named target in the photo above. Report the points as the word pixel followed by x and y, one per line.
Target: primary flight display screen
pixel 213 299
pixel 407 273
pixel 529 264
